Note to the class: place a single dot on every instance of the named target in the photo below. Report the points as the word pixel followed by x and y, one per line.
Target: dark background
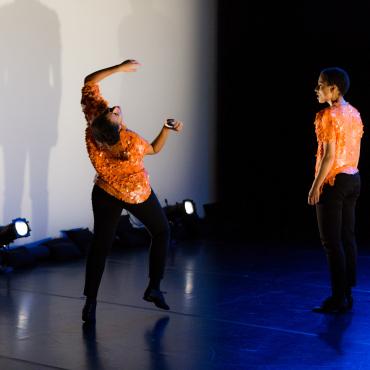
pixel 269 60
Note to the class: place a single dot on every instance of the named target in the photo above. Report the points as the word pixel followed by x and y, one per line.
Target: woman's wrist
pixel 315 185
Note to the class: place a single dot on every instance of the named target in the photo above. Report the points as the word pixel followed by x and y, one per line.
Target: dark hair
pixel 104 131
pixel 338 77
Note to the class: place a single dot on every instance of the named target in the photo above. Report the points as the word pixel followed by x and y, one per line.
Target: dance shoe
pixel 88 312
pixel 332 305
pixel 156 296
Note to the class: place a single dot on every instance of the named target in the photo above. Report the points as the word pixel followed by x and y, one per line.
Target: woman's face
pixel 324 92
pixel 114 115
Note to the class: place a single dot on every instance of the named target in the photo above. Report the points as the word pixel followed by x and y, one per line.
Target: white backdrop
pixel 47 48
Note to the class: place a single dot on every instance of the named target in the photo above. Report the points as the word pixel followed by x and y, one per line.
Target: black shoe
pixel 332 305
pixel 88 312
pixel 155 296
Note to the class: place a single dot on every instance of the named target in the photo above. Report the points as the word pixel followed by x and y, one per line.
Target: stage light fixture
pixel 189 206
pixel 183 219
pixel 18 228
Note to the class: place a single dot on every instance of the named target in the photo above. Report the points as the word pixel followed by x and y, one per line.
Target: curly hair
pixel 104 131
pixel 338 77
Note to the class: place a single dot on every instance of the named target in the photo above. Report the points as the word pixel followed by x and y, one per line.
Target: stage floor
pixel 233 306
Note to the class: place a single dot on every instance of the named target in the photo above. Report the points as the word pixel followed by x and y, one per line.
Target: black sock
pixel 155 283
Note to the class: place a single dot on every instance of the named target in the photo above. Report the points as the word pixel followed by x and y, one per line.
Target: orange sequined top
pixel 125 179
pixel 343 124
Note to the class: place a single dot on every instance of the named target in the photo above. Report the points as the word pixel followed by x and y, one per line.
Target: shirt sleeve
pixel 325 128
pixel 134 143
pixel 145 144
pixel 360 126
pixel 92 102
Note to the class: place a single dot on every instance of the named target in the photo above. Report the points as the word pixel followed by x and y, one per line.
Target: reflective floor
pixel 233 306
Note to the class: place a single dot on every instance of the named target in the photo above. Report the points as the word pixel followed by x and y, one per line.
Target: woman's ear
pixel 335 90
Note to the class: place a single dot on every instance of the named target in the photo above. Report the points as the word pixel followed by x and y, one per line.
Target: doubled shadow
pixel 30 92
pixel 154 339
pixel 93 360
pixel 335 328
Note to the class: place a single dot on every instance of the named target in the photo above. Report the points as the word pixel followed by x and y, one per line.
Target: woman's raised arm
pixel 129 65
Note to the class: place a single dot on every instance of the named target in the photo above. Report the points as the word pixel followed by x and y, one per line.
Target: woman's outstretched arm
pixel 129 65
pixel 161 139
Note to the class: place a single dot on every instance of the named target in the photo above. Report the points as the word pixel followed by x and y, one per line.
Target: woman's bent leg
pixel 151 214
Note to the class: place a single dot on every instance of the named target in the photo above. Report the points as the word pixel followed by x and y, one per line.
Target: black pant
pixel 107 211
pixel 336 220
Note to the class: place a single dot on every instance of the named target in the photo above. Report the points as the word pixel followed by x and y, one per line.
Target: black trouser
pixel 336 220
pixel 107 211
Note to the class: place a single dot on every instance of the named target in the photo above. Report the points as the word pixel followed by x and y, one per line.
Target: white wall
pixel 48 46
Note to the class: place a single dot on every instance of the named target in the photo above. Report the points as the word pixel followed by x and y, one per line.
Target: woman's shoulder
pixel 131 134
pixel 337 109
pixel 346 110
pixel 346 114
pixel 90 87
pixel 127 134
pixel 322 113
pixel 353 110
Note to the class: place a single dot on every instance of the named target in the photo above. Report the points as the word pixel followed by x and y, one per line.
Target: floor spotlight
pixel 18 228
pixel 183 219
pixel 189 206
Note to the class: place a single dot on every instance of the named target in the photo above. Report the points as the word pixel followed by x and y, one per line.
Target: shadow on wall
pixel 157 46
pixel 30 90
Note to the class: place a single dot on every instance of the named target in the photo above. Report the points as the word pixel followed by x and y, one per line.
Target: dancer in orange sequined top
pixel 120 167
pixel 121 183
pixel 337 183
pixel 341 124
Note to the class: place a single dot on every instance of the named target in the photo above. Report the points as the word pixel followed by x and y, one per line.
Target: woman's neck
pixel 337 102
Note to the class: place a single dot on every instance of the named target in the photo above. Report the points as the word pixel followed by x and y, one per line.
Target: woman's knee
pixel 161 231
pixel 332 247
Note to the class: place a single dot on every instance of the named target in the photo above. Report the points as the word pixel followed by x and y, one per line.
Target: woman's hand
pixel 177 126
pixel 129 65
pixel 314 195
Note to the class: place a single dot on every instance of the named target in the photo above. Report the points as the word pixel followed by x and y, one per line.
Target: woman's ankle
pixel 90 299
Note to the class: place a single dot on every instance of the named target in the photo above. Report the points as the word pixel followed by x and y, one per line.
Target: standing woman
pixel 121 183
pixel 336 186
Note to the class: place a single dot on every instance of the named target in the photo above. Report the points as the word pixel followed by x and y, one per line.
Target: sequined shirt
pixel 125 179
pixel 343 125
